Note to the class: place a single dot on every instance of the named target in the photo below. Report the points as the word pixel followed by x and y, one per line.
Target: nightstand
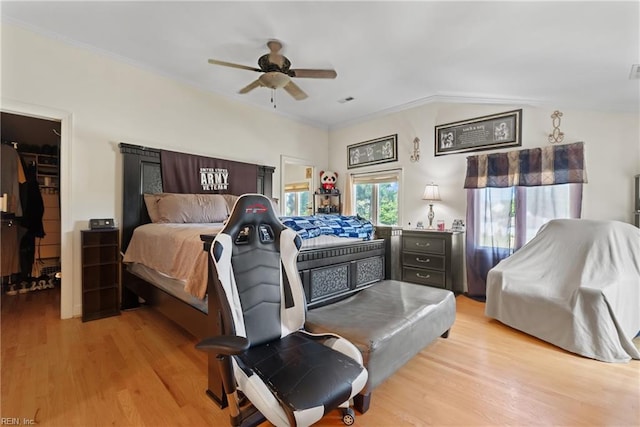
pixel 100 274
pixel 433 258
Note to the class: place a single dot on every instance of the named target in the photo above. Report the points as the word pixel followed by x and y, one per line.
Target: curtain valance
pixel 556 164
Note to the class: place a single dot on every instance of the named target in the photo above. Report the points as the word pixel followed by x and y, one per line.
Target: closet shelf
pixel 46 168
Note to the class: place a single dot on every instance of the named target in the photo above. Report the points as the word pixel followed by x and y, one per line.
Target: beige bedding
pixel 174 250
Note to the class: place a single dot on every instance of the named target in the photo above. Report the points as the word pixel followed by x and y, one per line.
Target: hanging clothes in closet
pixel 30 222
pixel 9 260
pixel 11 176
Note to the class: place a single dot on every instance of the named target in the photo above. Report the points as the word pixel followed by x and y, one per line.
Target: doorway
pixel 66 242
pixel 33 218
pixel 296 186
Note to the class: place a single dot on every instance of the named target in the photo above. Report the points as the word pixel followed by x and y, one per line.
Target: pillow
pixel 231 200
pixel 274 205
pixel 151 201
pixel 191 208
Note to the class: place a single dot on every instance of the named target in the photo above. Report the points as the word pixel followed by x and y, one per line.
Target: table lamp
pixel 431 194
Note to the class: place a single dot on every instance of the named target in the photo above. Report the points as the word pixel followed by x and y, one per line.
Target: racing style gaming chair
pixel 292 377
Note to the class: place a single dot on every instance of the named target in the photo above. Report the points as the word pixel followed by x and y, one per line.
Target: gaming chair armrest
pixel 228 345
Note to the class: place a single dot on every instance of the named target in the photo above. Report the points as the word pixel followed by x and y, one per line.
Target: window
pixel 297 201
pixel 502 220
pixel 376 196
pixel 498 207
pixel 513 215
pixel 542 204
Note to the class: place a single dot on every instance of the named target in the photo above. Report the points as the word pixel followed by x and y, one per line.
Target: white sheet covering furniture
pixel 575 285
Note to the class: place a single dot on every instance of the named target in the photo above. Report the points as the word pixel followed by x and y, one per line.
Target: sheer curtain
pixel 490 233
pixel 510 195
pixel 347 207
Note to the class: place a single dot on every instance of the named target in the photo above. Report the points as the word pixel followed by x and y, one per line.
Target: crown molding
pixel 444 98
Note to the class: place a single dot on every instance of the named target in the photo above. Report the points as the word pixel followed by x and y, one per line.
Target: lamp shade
pixel 431 192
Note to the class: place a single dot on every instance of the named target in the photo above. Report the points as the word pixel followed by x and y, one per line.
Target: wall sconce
pixel 416 150
pixel 431 194
pixel 556 136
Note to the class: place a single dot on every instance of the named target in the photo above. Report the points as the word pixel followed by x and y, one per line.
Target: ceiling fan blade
pixel 295 91
pixel 314 74
pixel 232 65
pixel 251 86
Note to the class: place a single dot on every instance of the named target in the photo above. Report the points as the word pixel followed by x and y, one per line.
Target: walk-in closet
pixel 30 191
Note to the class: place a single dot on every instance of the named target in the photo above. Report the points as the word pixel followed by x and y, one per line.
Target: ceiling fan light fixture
pixel 274 80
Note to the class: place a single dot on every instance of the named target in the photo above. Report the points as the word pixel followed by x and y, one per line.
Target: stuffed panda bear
pixel 328 181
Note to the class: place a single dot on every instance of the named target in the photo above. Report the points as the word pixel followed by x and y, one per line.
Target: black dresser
pixel 433 258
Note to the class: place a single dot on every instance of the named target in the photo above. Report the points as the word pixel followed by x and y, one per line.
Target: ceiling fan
pixel 277 72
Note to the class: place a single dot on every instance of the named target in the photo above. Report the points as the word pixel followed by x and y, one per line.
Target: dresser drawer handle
pixel 423 277
pixel 425 244
pixel 423 260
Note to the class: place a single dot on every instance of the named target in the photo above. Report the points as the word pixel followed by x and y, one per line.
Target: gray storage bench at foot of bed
pixel 390 323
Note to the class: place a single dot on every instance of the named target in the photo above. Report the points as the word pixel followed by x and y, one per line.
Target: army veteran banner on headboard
pixel 189 173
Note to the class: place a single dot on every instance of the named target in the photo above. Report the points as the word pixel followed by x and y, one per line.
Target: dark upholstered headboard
pixel 142 173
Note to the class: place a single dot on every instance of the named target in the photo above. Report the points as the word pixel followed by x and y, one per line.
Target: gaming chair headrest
pixel 256 212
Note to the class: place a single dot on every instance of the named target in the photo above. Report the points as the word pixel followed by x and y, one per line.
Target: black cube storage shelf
pixel 100 273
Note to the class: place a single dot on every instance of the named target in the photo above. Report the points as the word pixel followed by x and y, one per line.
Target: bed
pixel 576 285
pixel 329 271
pixel 171 256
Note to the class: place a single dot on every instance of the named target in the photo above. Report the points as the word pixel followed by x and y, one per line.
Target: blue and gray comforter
pixel 336 225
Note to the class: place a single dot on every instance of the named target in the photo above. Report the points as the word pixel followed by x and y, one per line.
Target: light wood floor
pixel 138 369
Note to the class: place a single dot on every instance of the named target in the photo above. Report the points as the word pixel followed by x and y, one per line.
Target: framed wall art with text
pixel 380 150
pixel 481 133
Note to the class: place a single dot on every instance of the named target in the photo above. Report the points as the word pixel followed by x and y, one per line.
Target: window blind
pixel 392 175
pixel 296 186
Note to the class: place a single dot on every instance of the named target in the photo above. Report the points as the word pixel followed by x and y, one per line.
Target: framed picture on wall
pixel 380 150
pixel 481 133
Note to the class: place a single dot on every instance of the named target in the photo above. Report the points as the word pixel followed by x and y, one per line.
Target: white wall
pixel 296 174
pixel 612 146
pixel 103 102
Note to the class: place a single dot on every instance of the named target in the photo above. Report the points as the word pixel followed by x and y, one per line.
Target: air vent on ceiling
pixel 635 72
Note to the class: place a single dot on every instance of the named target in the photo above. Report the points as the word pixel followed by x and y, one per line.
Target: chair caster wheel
pixel 348 416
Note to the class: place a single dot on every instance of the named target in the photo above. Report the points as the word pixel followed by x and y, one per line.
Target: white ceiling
pixel 388 55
